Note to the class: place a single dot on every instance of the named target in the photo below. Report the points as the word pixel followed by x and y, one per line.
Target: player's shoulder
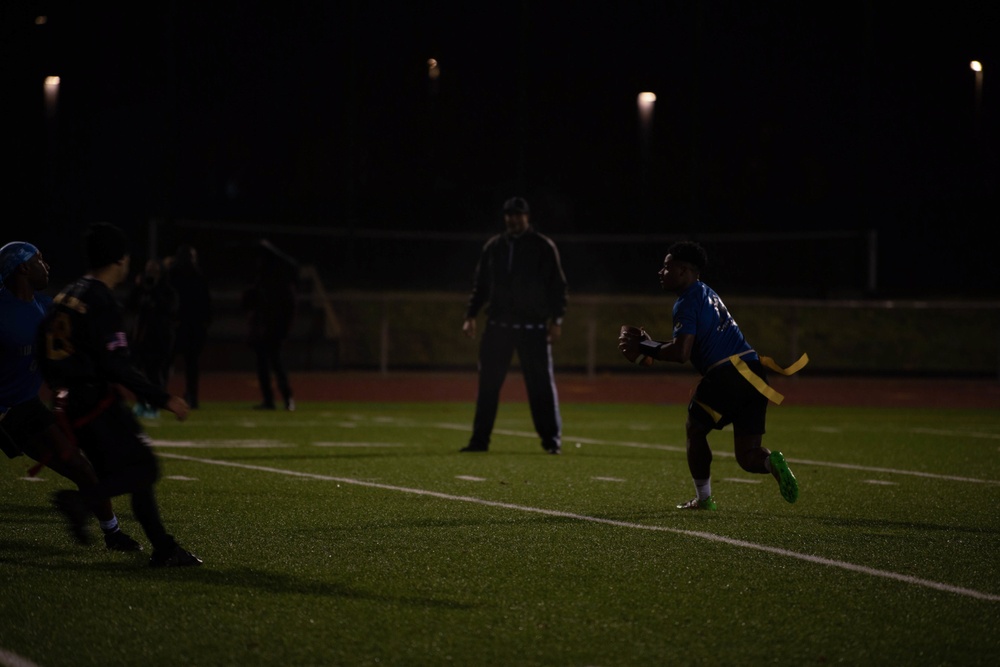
pixel 541 239
pixel 83 294
pixel 43 301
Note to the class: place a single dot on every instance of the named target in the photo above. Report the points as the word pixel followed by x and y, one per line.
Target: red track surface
pixel 655 388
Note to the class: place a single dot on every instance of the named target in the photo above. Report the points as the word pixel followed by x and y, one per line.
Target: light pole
pixel 977 67
pixel 51 95
pixel 645 103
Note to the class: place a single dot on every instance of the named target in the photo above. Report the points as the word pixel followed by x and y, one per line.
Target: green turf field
pixel 355 534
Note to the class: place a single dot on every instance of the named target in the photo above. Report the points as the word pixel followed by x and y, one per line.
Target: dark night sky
pixel 777 116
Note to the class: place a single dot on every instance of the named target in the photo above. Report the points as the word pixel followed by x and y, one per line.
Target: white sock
pixel 703 487
pixel 111 525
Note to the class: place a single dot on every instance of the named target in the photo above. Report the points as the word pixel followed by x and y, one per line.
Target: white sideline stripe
pixel 220 444
pixel 608 479
pixel 470 478
pixel 880 482
pixel 357 444
pixel 957 434
pixel 589 441
pixel 895 471
pixel 905 578
pixel 740 480
pixel 824 464
pixel 9 659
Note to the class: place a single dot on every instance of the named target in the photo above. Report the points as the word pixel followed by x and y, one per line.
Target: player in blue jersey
pixel 27 426
pixel 733 389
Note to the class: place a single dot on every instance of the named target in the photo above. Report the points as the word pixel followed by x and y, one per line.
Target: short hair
pixel 104 244
pixel 689 252
pixel 516 205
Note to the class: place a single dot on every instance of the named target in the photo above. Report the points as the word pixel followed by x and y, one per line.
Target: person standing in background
pixel 154 302
pixel 520 276
pixel 194 317
pixel 270 306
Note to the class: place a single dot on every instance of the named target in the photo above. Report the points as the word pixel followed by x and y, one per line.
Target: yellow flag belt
pixel 768 362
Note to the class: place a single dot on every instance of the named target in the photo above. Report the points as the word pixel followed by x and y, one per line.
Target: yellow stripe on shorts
pixel 716 416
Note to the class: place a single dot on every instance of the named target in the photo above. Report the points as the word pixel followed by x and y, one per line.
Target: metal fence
pixel 385 330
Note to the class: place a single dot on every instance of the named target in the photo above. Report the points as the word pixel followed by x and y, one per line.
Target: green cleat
pixel 787 483
pixel 695 504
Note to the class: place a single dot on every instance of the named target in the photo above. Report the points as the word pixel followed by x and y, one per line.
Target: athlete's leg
pixel 496 349
pixel 750 453
pixel 262 351
pixel 699 454
pixel 535 354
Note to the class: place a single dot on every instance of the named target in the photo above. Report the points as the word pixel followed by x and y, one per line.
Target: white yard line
pixel 956 434
pixel 220 444
pixel 669 448
pixel 819 560
pixel 357 444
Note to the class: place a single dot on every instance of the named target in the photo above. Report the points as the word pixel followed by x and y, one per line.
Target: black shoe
pixel 551 449
pixel 264 406
pixel 119 541
pixel 473 448
pixel 72 506
pixel 175 556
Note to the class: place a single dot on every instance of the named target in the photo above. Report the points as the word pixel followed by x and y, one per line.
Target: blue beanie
pixel 13 255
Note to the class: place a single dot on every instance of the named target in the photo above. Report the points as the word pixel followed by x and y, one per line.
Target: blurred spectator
pixel 194 317
pixel 154 302
pixel 270 304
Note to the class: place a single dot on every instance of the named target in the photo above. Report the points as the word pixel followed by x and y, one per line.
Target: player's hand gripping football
pixel 629 340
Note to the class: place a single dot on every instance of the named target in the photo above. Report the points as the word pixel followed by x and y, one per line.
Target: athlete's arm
pixel 677 350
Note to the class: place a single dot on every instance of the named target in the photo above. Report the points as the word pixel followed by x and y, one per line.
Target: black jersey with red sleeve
pixel 83 348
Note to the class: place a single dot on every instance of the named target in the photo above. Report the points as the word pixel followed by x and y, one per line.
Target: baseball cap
pixel 13 255
pixel 516 205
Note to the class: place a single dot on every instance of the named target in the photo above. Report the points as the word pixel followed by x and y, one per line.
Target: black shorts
pixel 725 392
pixel 114 441
pixel 22 424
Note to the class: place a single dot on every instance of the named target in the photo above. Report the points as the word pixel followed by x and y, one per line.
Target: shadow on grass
pixel 133 567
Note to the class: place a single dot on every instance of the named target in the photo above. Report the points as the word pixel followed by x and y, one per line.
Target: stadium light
pixel 51 95
pixel 977 67
pixel 645 103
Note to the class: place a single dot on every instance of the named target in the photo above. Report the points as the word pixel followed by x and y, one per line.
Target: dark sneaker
pixel 119 541
pixel 787 483
pixel 473 448
pixel 551 448
pixel 72 506
pixel 175 556
pixel 703 504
